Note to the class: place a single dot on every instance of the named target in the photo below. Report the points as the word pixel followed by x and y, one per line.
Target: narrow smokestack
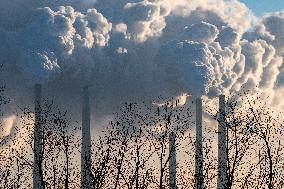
pixel 86 143
pixel 37 169
pixel 172 159
pixel 222 145
pixel 198 146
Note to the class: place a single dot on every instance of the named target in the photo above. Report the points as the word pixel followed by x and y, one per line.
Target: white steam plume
pixel 134 49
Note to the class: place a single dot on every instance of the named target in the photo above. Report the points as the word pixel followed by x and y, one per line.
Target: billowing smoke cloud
pixel 138 50
pixel 52 41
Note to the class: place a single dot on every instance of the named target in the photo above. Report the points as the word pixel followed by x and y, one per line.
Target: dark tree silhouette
pixel 138 138
pixel 140 146
pixel 254 147
pixel 5 169
pixel 60 147
pixel 264 124
pixel 3 99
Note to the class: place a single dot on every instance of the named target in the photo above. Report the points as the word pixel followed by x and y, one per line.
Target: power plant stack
pixel 198 146
pixel 172 159
pixel 37 169
pixel 86 181
pixel 222 145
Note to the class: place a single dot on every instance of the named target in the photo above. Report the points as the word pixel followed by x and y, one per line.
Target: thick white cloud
pixel 274 25
pixel 139 49
pixel 228 37
pixel 144 19
pixel 201 32
pixel 191 64
pixel 54 37
pixel 218 60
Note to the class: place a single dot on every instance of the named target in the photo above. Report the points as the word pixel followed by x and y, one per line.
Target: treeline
pixel 149 146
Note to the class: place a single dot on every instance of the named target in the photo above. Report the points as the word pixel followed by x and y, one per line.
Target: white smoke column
pixel 203 41
pixel 57 39
pixel 207 47
pixel 211 57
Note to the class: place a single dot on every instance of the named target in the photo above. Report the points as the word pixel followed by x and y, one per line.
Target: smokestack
pixel 172 159
pixel 86 143
pixel 222 145
pixel 37 169
pixel 198 146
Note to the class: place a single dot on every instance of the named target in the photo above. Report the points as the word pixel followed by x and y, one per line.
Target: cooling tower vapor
pixel 138 50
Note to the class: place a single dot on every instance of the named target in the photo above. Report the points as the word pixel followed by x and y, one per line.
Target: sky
pixel 260 7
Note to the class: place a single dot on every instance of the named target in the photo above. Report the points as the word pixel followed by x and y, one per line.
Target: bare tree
pixel 3 98
pixel 265 126
pixel 128 150
pixel 202 172
pixel 139 147
pixel 254 147
pixel 164 128
pixel 59 148
pixel 62 138
pixel 138 138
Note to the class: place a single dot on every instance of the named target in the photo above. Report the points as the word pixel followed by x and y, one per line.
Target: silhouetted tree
pixel 59 147
pixel 135 151
pixel 254 148
pixel 267 127
pixel 121 157
pixel 5 169
pixel 3 98
pixel 138 148
pixel 65 144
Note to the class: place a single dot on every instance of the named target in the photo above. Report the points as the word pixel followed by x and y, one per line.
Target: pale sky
pixel 260 7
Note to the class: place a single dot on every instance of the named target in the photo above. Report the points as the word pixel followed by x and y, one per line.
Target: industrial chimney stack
pixel 198 146
pixel 37 169
pixel 222 145
pixel 86 143
pixel 172 159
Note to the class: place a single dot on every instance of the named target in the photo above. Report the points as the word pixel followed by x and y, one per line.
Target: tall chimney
pixel 222 145
pixel 198 146
pixel 37 169
pixel 86 143
pixel 172 159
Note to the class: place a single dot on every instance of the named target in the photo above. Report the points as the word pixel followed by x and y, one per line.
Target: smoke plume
pixel 137 50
